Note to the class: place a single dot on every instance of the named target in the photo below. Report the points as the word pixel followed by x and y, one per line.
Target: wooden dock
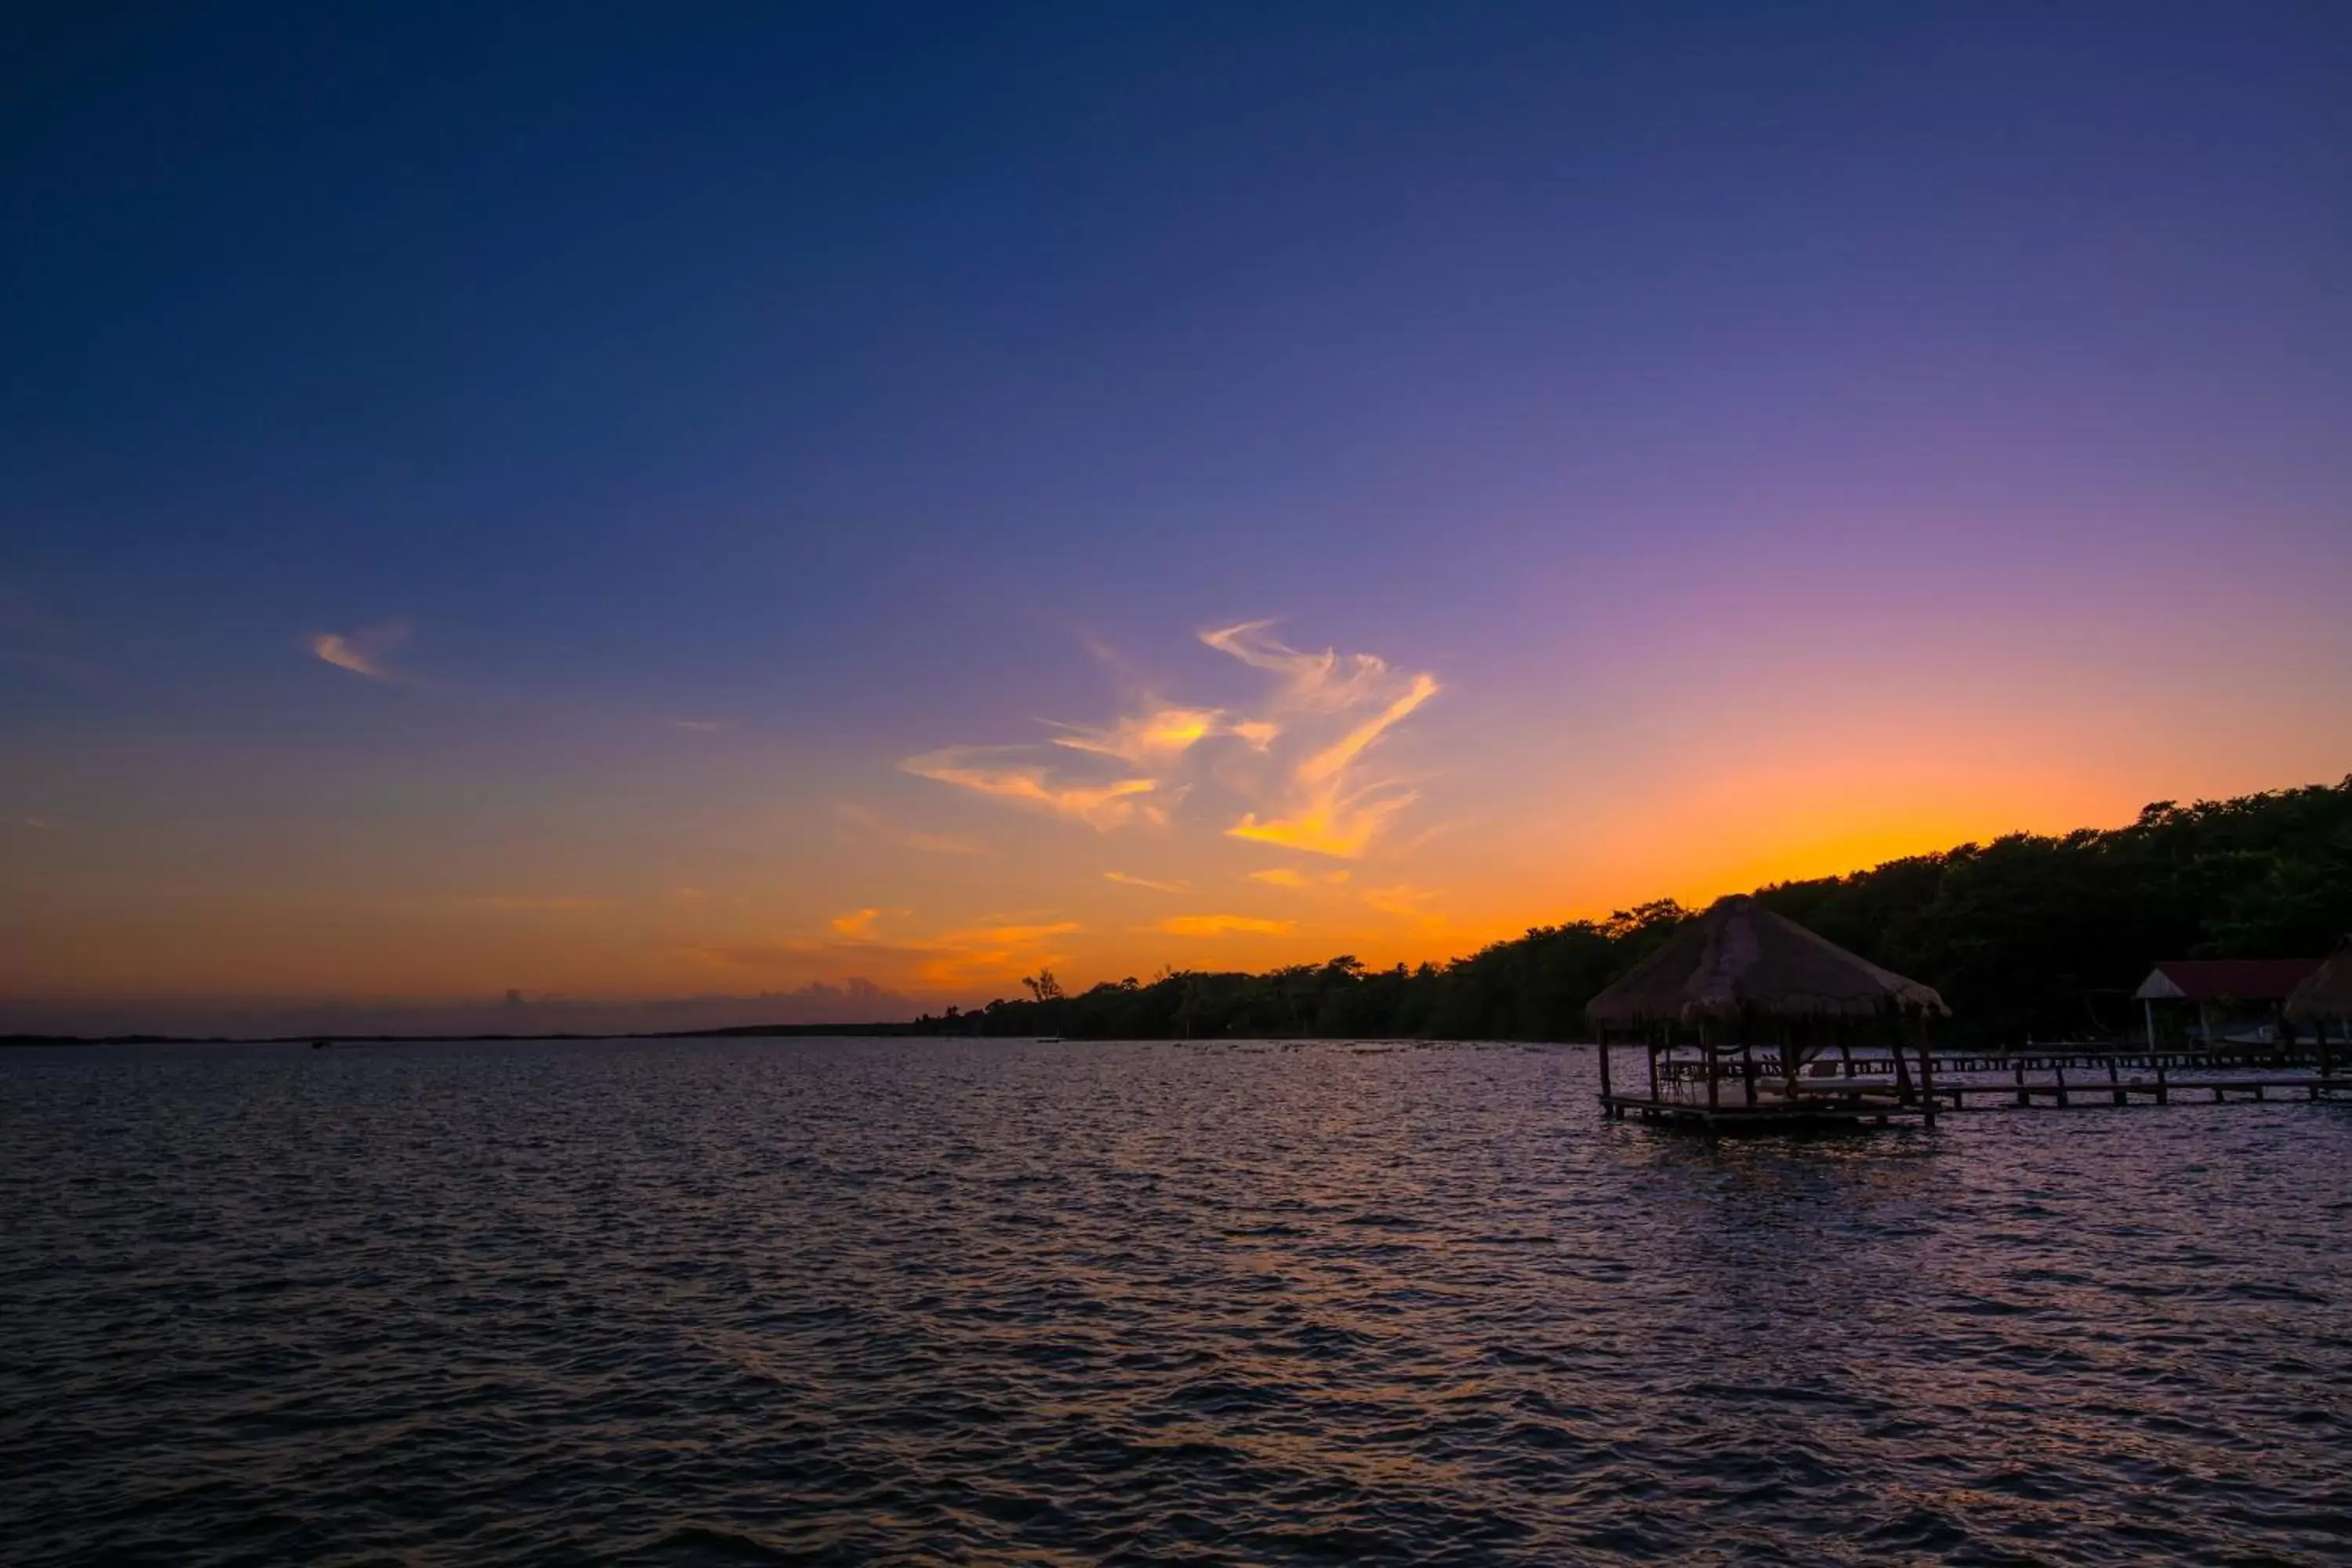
pixel 1754 1092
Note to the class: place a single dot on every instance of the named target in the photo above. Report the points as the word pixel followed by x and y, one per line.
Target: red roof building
pixel 2225 979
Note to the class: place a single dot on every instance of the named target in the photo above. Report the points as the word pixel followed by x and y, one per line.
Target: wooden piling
pixel 1926 1070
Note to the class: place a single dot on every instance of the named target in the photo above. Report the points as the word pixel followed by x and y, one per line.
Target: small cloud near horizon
pixel 857 924
pixel 1124 880
pixel 1224 925
pixel 363 652
pixel 1291 877
pixel 998 952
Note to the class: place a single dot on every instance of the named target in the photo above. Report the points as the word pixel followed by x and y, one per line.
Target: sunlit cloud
pixel 1341 826
pixel 1145 738
pixel 986 953
pixel 1293 775
pixel 1124 880
pixel 1325 681
pixel 1101 806
pixel 1293 877
pixel 994 952
pixel 1409 904
pixel 363 652
pixel 1224 925
pixel 1326 807
pixel 869 823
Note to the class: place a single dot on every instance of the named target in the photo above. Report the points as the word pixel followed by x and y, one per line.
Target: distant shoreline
pixel 882 1031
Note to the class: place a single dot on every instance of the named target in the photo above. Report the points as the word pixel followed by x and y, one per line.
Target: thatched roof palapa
pixel 2326 991
pixel 1739 958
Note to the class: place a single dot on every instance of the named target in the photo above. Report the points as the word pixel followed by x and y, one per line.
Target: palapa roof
pixel 2326 991
pixel 1740 957
pixel 2224 979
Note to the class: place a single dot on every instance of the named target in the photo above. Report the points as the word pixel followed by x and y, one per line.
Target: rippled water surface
pixel 986 1303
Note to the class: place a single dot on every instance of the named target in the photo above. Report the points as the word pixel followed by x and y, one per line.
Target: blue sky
pixel 851 384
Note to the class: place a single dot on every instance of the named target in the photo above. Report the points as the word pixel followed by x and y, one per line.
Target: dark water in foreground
pixel 986 1303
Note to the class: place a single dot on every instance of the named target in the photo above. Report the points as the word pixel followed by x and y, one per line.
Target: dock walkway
pixel 1885 1086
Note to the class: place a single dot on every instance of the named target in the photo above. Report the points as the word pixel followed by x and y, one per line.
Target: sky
pixel 814 513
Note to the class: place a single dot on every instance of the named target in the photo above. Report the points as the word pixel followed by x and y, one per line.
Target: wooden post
pixel 1706 1049
pixel 2059 1071
pixel 2147 1011
pixel 2163 1089
pixel 1601 1046
pixel 1789 1063
pixel 1746 1057
pixel 2114 1080
pixel 2022 1097
pixel 1902 1064
pixel 1654 1059
pixel 1926 1069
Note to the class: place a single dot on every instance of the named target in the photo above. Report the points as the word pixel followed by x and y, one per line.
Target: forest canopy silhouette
pixel 2027 936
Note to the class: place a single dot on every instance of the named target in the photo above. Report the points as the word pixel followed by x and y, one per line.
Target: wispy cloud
pixel 1101 806
pixel 35 824
pixel 994 951
pixel 964 955
pixel 867 823
pixel 1324 682
pixel 1409 904
pixel 1162 733
pixel 1293 772
pixel 1327 806
pixel 1124 880
pixel 363 652
pixel 1291 877
pixel 1226 925
pixel 859 924
pixel 699 726
pixel 534 904
pixel 1143 738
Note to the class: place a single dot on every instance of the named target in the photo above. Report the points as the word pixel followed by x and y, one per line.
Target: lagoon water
pixel 922 1301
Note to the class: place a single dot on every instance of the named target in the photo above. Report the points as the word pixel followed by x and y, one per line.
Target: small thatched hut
pixel 2326 993
pixel 1740 972
pixel 2325 997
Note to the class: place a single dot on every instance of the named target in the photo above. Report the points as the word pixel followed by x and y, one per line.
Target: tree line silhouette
pixel 2027 936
